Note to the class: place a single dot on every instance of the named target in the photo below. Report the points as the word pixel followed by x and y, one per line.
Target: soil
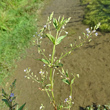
pixel 91 62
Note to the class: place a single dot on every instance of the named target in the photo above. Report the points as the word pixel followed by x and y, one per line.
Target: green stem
pixel 48 94
pixel 44 55
pixel 68 52
pixel 51 71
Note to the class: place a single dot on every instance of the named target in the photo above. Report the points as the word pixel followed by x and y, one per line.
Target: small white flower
pixel 33 35
pixel 66 32
pixel 40 72
pixel 66 100
pixel 87 29
pixel 63 27
pixel 44 64
pixel 96 34
pixel 40 37
pixel 41 107
pixel 45 26
pixel 25 70
pixel 70 97
pixel 49 54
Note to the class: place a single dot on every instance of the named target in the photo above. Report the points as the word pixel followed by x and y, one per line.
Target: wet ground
pixel 91 62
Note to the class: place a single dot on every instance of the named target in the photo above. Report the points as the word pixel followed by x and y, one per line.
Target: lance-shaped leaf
pixel 13 85
pixel 5 94
pixel 55 23
pixel 6 102
pixel 72 81
pixel 43 60
pixel 51 38
pixel 51 16
pixel 60 39
pixel 21 108
pixel 66 81
pixel 14 82
pixel 67 74
pixel 60 24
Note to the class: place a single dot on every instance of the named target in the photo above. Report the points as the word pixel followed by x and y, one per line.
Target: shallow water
pixel 91 62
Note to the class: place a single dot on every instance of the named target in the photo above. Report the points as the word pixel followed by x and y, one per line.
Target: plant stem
pixel 51 71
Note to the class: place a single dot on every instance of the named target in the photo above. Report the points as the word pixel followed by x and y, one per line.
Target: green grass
pixel 17 25
pixel 97 11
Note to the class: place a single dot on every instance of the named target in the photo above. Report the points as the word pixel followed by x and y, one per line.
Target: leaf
pixel 60 39
pixel 51 38
pixel 5 94
pixel 60 23
pixel 14 82
pixel 55 23
pixel 59 19
pixel 3 91
pixel 48 85
pixel 62 19
pixel 68 20
pixel 21 108
pixel 67 74
pixel 6 102
pixel 45 61
pixel 72 81
pixel 66 81
pixel 59 65
pixel 50 18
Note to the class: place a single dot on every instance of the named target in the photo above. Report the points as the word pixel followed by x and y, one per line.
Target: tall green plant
pixel 54 63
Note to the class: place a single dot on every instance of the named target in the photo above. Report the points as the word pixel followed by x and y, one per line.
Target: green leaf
pixel 3 91
pixel 45 61
pixel 62 19
pixel 6 102
pixel 68 20
pixel 66 81
pixel 72 81
pixel 51 38
pixel 59 65
pixel 67 74
pixel 59 19
pixel 51 16
pixel 58 41
pixel 48 85
pixel 55 23
pixel 21 108
pixel 5 94
pixel 60 23
pixel 14 82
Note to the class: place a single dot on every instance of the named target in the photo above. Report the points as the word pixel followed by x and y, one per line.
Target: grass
pixel 97 10
pixel 17 25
